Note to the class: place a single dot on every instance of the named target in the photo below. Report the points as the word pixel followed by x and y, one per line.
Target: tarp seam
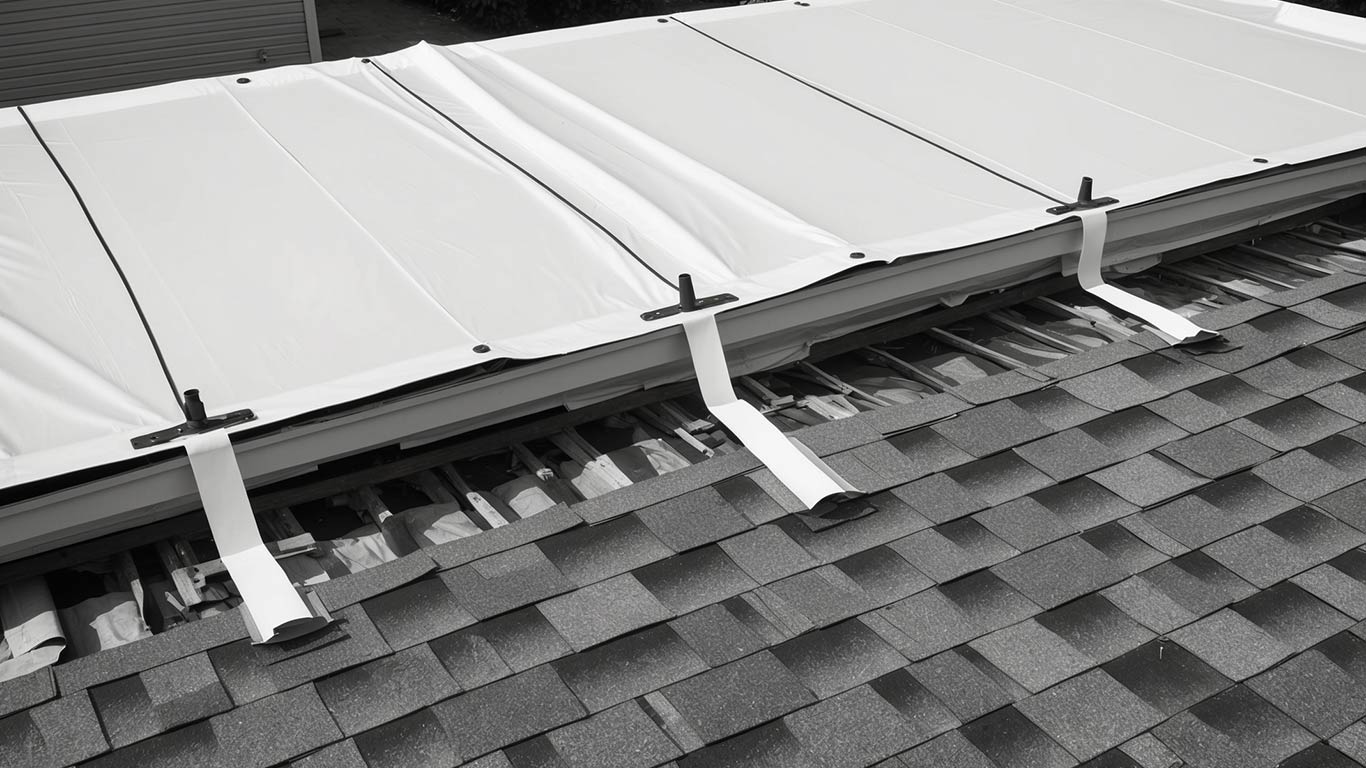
pixel 456 123
pixel 118 268
pixel 345 211
pixel 873 115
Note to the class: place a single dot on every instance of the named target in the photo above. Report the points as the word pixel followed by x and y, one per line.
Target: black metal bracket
pixel 197 420
pixel 1084 200
pixel 688 301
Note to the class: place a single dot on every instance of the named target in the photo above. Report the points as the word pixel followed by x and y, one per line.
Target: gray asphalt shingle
pixel 1090 713
pixel 737 696
pixel 1151 557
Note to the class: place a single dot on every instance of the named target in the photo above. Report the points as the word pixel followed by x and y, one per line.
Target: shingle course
pixel 1155 558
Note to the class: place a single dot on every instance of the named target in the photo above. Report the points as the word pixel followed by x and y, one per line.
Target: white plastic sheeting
pixel 324 233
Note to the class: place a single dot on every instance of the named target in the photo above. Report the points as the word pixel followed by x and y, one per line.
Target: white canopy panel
pixel 307 236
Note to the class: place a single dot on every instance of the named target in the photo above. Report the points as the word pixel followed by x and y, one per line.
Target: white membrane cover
pixel 324 233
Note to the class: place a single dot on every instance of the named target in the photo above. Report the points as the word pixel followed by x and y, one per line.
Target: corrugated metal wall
pixel 55 48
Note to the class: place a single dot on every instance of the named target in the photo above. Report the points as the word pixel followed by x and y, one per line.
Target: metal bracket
pixel 1084 200
pixel 688 301
pixel 197 420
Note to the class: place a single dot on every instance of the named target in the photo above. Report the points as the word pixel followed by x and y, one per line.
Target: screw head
pixel 244 80
pixel 482 348
pixel 857 255
pixel 1260 160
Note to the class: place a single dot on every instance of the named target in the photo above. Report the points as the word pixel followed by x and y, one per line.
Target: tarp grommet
pixel 482 348
pixel 244 80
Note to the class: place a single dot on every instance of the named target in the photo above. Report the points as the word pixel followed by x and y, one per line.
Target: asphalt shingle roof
pixel 1151 557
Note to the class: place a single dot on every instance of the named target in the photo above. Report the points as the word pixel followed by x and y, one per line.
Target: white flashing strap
pixel 1171 326
pixel 795 466
pixel 273 607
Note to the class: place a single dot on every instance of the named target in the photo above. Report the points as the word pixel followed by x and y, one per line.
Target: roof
pixel 262 238
pixel 1132 556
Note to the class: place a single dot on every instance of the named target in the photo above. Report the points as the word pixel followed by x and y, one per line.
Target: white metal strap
pixel 273 607
pixel 795 466
pixel 1166 323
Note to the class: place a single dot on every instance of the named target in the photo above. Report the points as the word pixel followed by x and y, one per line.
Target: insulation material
pixel 433 524
pixel 306 237
pixel 363 549
pixel 100 623
pixel 33 635
pixel 528 495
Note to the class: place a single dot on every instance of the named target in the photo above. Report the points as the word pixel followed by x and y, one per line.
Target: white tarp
pixel 324 233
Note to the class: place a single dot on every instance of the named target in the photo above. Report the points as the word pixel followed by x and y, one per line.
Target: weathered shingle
pixel 1055 573
pixel 57 733
pixel 162 698
pixel 507 711
pixel 630 666
pixel 1218 452
pixel 25 691
pixel 1012 741
pixel 1166 676
pixel 691 520
pixel 1147 479
pixel 835 659
pixel 621 737
pixel 1090 713
pixel 250 672
pixel 1314 691
pixel 416 613
pixel 505 581
pixel 737 696
pixel 695 579
pixel 588 555
pixel 1153 556
pixel 858 727
pixel 989 429
pixel 385 689
pixel 598 613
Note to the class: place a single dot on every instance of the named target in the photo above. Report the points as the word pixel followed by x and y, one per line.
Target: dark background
pixel 511 16
pixel 367 27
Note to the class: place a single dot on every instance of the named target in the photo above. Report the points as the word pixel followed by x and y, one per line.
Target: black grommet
pixel 662 21
pixel 482 348
pixel 857 255
pixel 1259 160
pixel 804 5
pixel 365 61
pixel 244 79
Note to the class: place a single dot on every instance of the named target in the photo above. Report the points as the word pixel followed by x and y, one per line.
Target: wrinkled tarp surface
pixel 311 235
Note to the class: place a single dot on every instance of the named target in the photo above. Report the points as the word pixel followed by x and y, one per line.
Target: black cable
pixel 161 358
pixel 525 172
pixel 876 117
